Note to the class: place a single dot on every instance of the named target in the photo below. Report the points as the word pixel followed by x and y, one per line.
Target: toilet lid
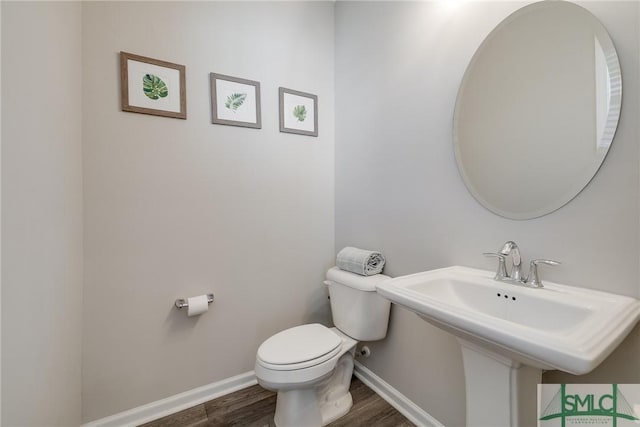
pixel 299 344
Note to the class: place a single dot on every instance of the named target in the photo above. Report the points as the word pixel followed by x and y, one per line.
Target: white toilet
pixel 310 366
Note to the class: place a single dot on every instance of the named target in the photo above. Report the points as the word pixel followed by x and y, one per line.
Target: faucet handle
pixel 501 273
pixel 533 279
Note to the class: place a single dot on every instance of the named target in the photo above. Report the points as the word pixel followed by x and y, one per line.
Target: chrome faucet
pixel 533 279
pixel 510 248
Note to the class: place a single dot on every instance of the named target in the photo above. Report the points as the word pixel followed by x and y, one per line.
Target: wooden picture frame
pixel 151 86
pixel 298 112
pixel 235 101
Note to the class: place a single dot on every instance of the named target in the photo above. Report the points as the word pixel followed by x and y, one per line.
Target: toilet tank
pixel 357 309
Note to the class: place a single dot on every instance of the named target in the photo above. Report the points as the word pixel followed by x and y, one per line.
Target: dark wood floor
pixel 255 406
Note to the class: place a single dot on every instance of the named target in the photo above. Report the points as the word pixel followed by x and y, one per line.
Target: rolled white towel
pixel 360 261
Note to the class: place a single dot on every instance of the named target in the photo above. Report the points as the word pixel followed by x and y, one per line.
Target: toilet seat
pixel 299 348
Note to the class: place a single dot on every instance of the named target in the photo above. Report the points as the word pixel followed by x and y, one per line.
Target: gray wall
pixel 177 208
pixel 41 214
pixel 398 68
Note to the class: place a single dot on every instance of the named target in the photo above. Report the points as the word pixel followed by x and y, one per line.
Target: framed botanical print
pixel 151 86
pixel 235 101
pixel 298 112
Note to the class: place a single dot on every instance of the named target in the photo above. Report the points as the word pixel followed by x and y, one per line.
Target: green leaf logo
pixel 235 100
pixel 154 87
pixel 300 112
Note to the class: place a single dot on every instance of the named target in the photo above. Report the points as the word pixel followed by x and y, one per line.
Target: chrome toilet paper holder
pixel 182 302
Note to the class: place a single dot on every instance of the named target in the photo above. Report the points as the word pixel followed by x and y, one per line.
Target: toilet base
pixel 331 411
pixel 298 408
pixel 320 405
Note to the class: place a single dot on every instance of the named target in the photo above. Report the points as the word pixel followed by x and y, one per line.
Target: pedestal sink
pixel 509 333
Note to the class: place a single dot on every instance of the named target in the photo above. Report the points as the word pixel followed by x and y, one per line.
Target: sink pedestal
pixel 501 392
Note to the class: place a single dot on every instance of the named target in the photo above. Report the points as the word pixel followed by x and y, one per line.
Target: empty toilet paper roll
pixel 197 305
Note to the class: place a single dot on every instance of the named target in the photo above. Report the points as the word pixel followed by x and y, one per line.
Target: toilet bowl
pixel 310 366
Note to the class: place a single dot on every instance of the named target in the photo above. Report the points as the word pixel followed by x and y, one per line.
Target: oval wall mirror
pixel 537 109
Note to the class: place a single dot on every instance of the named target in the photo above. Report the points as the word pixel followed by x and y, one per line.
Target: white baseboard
pixel 176 403
pixel 410 410
pixel 188 399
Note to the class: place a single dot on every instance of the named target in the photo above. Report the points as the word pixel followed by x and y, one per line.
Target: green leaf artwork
pixel 235 100
pixel 300 112
pixel 154 87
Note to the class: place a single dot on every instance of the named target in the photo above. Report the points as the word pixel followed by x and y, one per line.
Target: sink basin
pixel 556 327
pixel 509 333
